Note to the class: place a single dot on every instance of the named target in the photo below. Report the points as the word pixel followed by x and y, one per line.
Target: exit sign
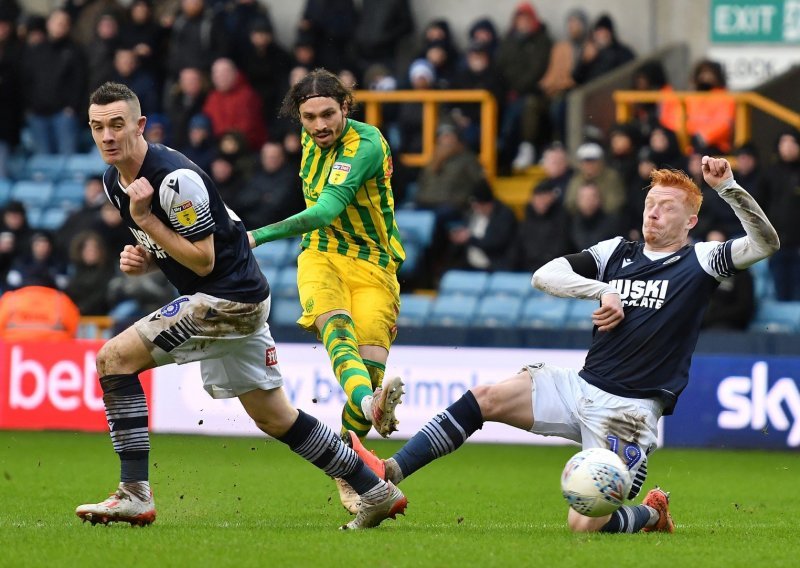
pixel 755 21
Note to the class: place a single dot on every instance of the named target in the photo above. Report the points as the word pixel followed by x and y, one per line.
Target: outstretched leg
pixel 318 444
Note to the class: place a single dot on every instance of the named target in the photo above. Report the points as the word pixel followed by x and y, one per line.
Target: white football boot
pixel 382 406
pixel 348 496
pixel 371 515
pixel 122 506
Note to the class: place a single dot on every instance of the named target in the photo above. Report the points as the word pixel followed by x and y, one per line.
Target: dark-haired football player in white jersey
pixel 652 297
pixel 220 319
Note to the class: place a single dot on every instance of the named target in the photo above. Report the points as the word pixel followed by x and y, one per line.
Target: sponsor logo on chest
pixel 642 293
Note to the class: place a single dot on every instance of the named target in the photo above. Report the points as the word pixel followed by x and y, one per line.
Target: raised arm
pixel 761 239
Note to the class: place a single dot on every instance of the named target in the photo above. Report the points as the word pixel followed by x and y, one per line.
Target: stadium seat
pixel 411 263
pixel 284 311
pixel 453 311
pixel 463 283
pixel 776 317
pixel 579 314
pixel 544 313
pixel 16 165
pixel 516 284
pixel 69 193
pixel 416 226
pixel 44 167
pixel 80 166
pixel 33 193
pixel 52 218
pixel 763 284
pixel 270 273
pixel 414 310
pixel 272 254
pixel 498 311
pixel 33 214
pixel 285 285
pixel 5 190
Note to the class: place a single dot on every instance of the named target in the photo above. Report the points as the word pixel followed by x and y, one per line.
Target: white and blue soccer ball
pixel 595 482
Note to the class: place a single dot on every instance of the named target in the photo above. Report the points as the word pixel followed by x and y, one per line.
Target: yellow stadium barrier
pixel 373 101
pixel 745 103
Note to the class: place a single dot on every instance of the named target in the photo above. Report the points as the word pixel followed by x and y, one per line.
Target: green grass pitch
pixel 251 502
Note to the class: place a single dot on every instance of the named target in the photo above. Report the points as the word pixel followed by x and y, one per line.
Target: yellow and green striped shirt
pixel 357 169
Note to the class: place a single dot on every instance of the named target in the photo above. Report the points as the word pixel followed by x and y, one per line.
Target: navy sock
pixel 444 434
pixel 126 412
pixel 315 442
pixel 627 519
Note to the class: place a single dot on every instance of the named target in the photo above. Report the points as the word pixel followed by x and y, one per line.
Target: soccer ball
pixel 595 482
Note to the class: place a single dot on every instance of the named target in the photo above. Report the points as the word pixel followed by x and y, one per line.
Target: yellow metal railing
pixel 745 103
pixel 373 101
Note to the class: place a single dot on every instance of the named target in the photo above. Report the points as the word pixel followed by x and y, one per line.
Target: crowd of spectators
pixel 211 74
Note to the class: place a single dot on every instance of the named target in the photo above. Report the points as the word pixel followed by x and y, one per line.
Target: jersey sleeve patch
pixel 184 198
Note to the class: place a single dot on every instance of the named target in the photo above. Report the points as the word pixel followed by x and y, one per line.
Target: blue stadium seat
pixel 16 165
pixel 763 284
pixel 414 310
pixel 463 283
pixel 411 263
pixel 270 273
pixel 416 226
pixel 776 317
pixel 33 193
pixel 453 311
pixel 284 311
pixel 81 166
pixel 544 313
pixel 293 250
pixel 51 218
pixel 516 284
pixel 498 311
pixel 579 314
pixel 69 193
pixel 5 190
pixel 33 214
pixel 285 285
pixel 44 167
pixel 272 254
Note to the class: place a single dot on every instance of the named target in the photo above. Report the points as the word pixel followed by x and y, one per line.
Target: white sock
pixel 366 407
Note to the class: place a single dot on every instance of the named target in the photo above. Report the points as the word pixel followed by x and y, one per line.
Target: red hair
pixel 679 180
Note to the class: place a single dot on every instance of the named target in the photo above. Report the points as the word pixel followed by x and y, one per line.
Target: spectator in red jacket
pixel 233 104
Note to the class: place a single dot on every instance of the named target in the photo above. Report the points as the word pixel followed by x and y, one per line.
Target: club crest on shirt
pixel 185 213
pixel 339 172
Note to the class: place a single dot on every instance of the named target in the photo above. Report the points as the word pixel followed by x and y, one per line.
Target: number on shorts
pixel 631 453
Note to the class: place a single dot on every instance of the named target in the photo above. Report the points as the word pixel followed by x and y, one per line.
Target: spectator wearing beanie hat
pixel 603 53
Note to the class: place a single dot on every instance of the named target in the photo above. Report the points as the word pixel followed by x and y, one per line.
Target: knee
pixel 487 400
pixel 106 359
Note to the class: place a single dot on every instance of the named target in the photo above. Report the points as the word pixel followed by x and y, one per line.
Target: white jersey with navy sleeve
pixel 648 354
pixel 187 201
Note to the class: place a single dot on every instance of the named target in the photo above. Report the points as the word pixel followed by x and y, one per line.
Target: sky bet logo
pixel 642 293
pixel 750 401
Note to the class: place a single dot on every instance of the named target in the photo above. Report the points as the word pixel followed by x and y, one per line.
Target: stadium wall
pixel 740 401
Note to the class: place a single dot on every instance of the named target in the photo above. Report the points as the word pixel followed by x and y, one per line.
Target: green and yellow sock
pixel 376 371
pixel 339 338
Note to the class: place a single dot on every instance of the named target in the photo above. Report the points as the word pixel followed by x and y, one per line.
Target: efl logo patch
pixel 185 213
pixel 272 357
pixel 339 172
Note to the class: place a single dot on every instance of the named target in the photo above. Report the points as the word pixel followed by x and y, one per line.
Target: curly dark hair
pixel 319 83
pixel 110 92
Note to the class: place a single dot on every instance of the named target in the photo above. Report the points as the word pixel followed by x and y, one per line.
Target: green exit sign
pixel 755 21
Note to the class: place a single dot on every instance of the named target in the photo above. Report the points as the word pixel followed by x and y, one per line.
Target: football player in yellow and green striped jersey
pixel 351 248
